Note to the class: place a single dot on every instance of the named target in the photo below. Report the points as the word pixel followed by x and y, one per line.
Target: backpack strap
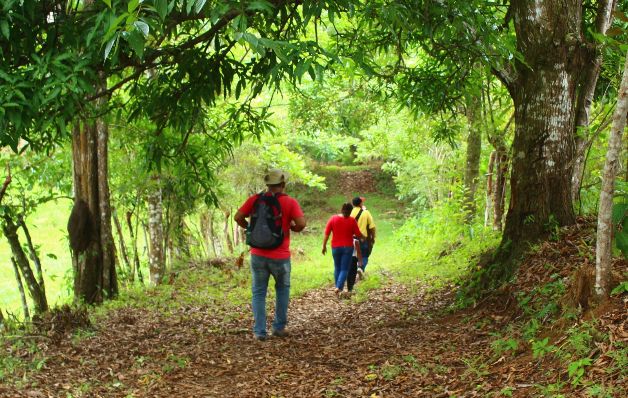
pixel 357 217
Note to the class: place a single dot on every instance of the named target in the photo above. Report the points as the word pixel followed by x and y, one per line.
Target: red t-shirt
pixel 290 210
pixel 343 229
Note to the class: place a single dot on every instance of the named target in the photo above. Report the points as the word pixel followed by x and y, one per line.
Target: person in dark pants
pixel 367 228
pixel 356 264
pixel 272 262
pixel 343 228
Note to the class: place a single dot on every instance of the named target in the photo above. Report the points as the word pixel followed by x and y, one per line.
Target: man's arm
pixel 297 224
pixel 370 228
pixel 371 233
pixel 240 219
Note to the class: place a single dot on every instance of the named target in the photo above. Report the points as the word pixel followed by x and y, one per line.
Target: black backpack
pixel 265 230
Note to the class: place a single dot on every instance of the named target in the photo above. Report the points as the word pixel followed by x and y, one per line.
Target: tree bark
pixel 136 256
pixel 604 223
pixel 20 287
pixel 212 232
pixel 122 244
pixel 499 191
pixel 95 271
pixel 156 258
pixel 585 96
pixel 33 254
pixel 549 36
pixel 109 275
pixel 474 151
pixel 37 294
pixel 226 232
pixel 489 188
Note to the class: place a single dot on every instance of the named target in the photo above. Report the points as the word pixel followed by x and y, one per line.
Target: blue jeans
pixel 342 263
pixel 261 269
pixel 364 248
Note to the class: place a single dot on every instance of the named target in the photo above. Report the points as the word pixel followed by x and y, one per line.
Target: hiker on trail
pixel 343 228
pixel 273 214
pixel 367 228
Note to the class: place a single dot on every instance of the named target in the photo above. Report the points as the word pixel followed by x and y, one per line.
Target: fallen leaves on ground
pixel 401 342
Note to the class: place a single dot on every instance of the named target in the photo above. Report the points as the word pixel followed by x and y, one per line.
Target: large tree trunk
pixel 95 271
pixel 37 294
pixel 156 258
pixel 544 95
pixel 604 224
pixel 109 276
pixel 474 151
pixel 585 96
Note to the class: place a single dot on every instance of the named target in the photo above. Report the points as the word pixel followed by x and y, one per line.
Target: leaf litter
pixel 400 342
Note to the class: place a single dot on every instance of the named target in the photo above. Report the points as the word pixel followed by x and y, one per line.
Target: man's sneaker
pixel 280 333
pixel 260 337
pixel 360 273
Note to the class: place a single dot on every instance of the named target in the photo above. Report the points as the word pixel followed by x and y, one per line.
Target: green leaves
pixel 132 5
pixel 4 27
pixel 196 4
pixel 261 5
pixel 136 41
pixel 161 6
pixel 620 227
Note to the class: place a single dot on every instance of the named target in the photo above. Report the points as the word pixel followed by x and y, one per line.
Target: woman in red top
pixel 343 228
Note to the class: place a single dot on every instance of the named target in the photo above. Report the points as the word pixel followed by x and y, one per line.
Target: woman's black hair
pixel 346 209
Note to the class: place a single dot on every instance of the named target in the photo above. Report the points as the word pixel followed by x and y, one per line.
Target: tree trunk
pixel 179 238
pixel 489 188
pixel 123 250
pixel 474 151
pixel 226 233
pixel 33 254
pixel 204 226
pixel 37 294
pixel 585 96
pixel 499 191
pixel 136 256
pixel 212 232
pixel 604 223
pixel 95 271
pixel 156 258
pixel 544 96
pixel 20 287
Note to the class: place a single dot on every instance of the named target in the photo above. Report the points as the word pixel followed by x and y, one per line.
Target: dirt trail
pixel 393 345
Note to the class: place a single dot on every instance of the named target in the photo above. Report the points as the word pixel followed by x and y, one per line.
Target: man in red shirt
pixel 275 262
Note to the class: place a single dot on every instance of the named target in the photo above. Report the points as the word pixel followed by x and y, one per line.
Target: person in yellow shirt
pixel 367 228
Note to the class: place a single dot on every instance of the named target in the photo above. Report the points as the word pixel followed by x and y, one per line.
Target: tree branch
pixel 6 183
